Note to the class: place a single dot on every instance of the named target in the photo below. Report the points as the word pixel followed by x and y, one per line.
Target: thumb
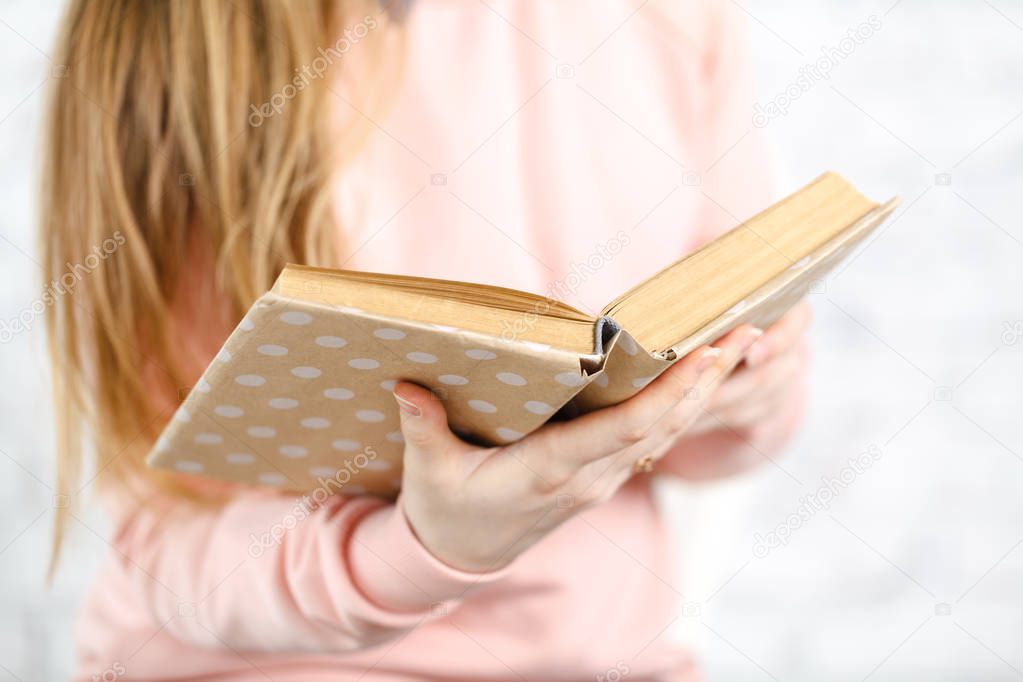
pixel 424 423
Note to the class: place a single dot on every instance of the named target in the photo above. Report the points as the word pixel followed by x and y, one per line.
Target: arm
pixel 264 572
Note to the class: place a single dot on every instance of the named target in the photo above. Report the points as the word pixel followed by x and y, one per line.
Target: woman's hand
pixel 476 508
pixel 758 389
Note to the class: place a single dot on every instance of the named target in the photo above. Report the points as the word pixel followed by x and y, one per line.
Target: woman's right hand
pixel 476 509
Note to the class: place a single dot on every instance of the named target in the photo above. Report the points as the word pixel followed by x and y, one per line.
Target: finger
pixel 734 347
pixel 424 424
pixel 748 414
pixel 673 388
pixel 747 383
pixel 783 334
pixel 693 408
pixel 748 394
pixel 763 387
pixel 609 430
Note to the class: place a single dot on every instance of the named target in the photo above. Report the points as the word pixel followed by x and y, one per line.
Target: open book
pixel 300 394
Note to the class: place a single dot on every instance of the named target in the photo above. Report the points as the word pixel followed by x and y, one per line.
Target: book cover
pixel 300 392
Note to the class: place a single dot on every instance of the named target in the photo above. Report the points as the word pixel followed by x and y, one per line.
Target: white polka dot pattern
pixel 261 431
pixel 627 369
pixel 323 472
pixel 273 478
pixel 283 403
pixel 229 411
pixel 511 379
pixel 296 317
pixel 306 372
pixel 538 407
pixel 293 451
pixel 483 406
pixel 331 342
pixel 506 434
pixel 570 379
pixel 300 392
pixel 339 394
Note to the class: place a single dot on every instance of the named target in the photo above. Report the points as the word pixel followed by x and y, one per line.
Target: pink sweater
pixel 570 151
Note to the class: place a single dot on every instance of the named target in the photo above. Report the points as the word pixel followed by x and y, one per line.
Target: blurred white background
pixel 914 569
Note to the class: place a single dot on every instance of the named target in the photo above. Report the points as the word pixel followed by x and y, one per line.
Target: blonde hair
pixel 188 147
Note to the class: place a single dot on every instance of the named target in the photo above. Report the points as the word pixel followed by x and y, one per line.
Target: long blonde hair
pixel 188 147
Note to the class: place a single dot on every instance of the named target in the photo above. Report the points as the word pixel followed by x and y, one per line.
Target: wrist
pixel 449 543
pixel 396 570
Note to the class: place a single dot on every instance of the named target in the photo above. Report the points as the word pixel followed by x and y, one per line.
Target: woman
pixel 501 143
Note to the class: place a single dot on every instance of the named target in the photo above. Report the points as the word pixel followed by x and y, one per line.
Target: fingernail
pixel 708 358
pixel 751 338
pixel 407 407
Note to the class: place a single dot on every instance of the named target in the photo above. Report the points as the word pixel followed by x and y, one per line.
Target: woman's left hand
pixel 757 389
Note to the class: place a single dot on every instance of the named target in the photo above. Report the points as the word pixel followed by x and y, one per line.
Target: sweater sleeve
pixel 273 573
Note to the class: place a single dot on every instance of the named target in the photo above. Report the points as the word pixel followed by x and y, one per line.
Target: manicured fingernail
pixel 407 407
pixel 751 338
pixel 708 358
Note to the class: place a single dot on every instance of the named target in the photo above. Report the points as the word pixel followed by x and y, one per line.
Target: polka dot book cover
pixel 299 395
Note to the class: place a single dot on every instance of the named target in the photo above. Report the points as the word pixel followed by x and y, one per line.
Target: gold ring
pixel 644 465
